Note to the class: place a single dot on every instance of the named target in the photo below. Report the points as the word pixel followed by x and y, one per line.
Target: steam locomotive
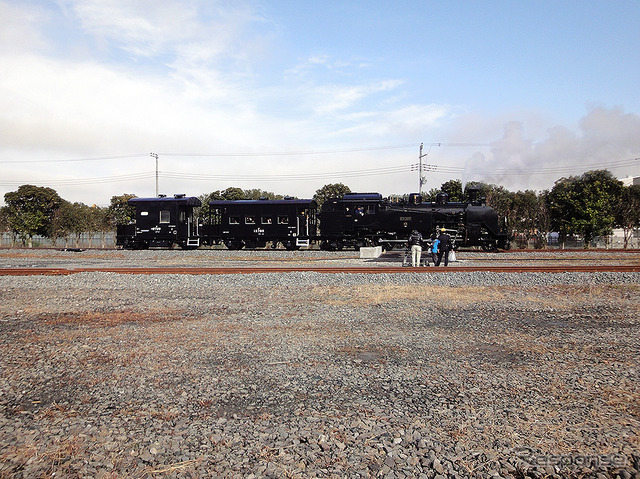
pixel 359 219
pixel 351 221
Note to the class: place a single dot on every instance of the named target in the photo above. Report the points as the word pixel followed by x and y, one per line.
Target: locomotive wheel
pixel 490 247
pixel 234 244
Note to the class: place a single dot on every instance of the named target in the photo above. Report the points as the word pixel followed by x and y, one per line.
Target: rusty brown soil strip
pixel 351 270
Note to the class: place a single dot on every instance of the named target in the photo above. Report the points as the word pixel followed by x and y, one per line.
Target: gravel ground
pixel 316 375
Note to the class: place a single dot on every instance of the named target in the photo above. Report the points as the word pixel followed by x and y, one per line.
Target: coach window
pixel 266 220
pixel 283 220
pixel 250 220
pixel 183 216
pixel 165 216
pixel 216 217
pixel 234 220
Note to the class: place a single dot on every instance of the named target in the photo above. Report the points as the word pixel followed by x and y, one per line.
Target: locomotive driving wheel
pixel 490 246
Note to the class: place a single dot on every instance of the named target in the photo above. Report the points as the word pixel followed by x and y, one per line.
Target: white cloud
pixel 20 28
pixel 334 98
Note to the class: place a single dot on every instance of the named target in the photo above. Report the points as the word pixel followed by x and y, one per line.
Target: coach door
pixel 188 228
pixel 303 227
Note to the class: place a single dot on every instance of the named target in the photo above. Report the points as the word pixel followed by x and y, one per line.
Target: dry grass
pixel 366 295
pixel 112 318
pixel 560 297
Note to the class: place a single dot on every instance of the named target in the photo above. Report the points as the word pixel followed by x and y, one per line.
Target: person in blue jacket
pixel 434 251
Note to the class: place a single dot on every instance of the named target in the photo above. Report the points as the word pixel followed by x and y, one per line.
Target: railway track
pixel 329 270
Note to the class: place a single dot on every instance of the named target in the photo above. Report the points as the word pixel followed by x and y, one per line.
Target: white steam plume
pixel 607 139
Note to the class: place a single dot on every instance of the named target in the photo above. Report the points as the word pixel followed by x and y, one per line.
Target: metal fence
pixel 87 240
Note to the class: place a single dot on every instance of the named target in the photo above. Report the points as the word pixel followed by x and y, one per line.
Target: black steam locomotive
pixel 352 221
pixel 359 219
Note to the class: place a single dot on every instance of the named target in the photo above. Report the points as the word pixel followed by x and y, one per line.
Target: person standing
pixel 434 251
pixel 444 247
pixel 415 241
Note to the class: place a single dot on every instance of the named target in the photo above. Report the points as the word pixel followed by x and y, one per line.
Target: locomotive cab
pixel 349 221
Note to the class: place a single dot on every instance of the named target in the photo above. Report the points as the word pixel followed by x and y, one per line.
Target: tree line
pixel 585 206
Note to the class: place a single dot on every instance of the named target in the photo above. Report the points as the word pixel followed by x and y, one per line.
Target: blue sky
pixel 289 96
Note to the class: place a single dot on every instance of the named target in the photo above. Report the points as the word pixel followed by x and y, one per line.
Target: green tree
pixel 333 190
pixel 232 193
pixel 501 200
pixel 30 210
pixel 628 212
pixel 454 189
pixel 585 205
pixel 256 194
pixel 119 212
pixel 99 222
pixel 4 220
pixel 527 218
pixel 428 197
pixel 4 223
pixel 80 221
pixel 60 225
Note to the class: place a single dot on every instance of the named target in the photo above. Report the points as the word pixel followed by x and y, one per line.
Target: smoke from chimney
pixel 606 139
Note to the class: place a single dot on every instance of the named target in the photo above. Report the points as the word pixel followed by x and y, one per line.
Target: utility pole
pixel 420 176
pixel 426 166
pixel 155 155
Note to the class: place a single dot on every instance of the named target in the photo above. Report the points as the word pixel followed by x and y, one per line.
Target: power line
pixel 433 168
pixel 291 153
pixel 82 181
pixel 221 155
pixel 291 177
pixel 101 158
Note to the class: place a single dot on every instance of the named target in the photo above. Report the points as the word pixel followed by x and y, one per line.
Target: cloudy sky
pixel 288 96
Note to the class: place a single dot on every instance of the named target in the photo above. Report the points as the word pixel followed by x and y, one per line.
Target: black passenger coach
pixel 161 222
pixel 255 223
pixel 351 221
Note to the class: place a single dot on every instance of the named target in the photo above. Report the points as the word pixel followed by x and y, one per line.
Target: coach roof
pixel 176 199
pixel 287 202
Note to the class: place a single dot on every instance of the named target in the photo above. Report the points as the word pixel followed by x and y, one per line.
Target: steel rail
pixel 329 270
